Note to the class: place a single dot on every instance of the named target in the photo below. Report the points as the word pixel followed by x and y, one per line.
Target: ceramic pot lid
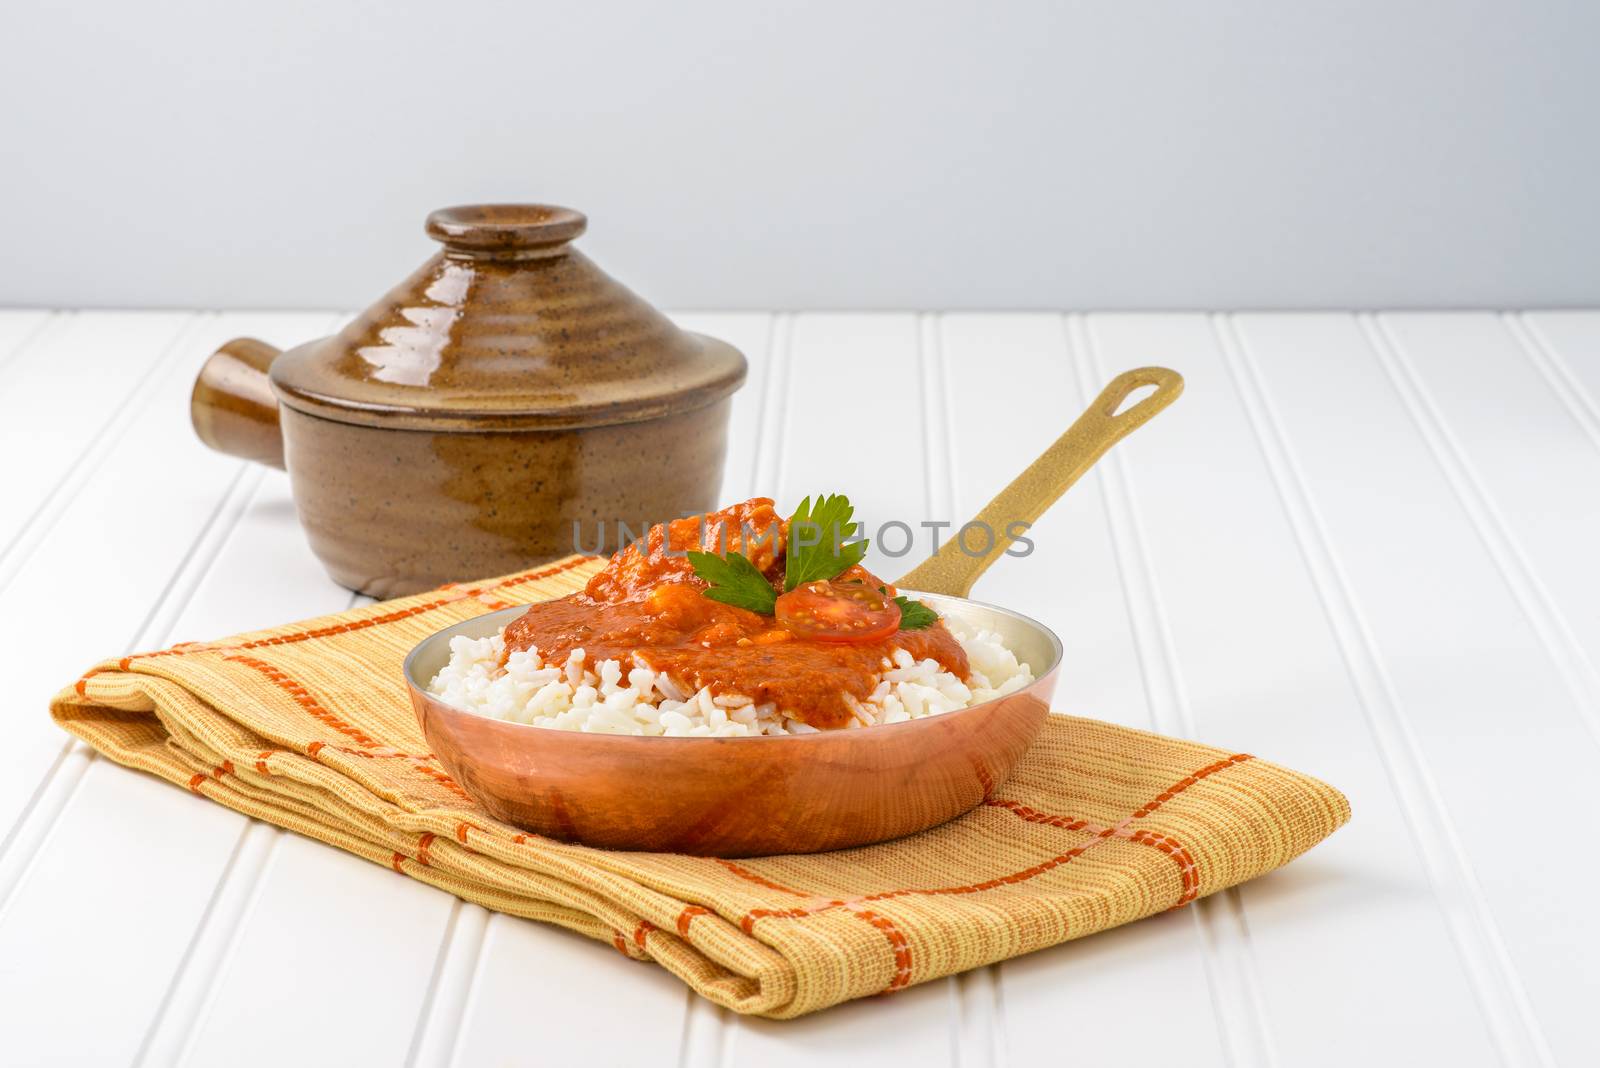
pixel 508 327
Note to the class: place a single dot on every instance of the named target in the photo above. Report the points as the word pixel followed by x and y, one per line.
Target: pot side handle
pixel 232 407
pixel 954 568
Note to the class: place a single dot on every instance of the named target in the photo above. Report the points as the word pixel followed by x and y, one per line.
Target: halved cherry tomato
pixel 838 612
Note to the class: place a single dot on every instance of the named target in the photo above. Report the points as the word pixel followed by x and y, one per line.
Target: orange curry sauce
pixel 650 603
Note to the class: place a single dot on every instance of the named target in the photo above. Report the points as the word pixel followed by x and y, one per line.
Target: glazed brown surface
pixel 650 603
pixel 488 414
pixel 508 327
pixel 391 512
pixel 232 406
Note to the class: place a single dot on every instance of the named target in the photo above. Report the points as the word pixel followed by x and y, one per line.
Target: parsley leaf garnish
pixel 914 615
pixel 734 580
pixel 823 528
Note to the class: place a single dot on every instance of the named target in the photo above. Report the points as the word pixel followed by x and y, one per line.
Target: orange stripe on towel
pixel 1033 815
pixel 761 880
pixel 419 764
pixel 415 610
pixel 455 594
pixel 1183 784
pixel 1188 870
pixel 747 923
pixel 304 698
pixel 897 943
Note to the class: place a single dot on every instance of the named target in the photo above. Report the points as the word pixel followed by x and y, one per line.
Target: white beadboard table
pixel 1366 546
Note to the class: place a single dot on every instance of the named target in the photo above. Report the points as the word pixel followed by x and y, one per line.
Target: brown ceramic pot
pixel 505 402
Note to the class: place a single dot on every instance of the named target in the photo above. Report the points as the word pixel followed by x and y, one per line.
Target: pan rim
pixel 420 692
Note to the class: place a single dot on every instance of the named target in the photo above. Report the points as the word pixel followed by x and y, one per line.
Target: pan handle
pixel 953 569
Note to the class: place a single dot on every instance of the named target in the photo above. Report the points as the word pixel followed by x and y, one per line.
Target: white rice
pixel 603 699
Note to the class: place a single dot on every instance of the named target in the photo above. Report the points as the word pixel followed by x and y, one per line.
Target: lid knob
pixel 505 229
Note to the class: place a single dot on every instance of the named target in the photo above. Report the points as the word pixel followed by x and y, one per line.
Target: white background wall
pixel 1146 153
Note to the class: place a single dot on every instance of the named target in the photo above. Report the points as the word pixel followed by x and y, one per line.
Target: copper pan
pixel 740 797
